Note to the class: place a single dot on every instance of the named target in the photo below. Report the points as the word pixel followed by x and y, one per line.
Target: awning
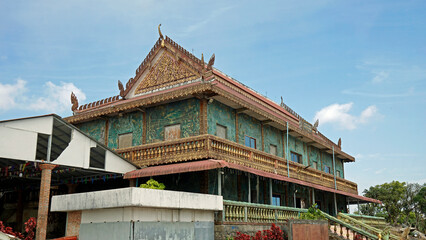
pixel 213 164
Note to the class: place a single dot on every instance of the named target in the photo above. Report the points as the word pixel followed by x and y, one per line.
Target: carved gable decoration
pixel 168 70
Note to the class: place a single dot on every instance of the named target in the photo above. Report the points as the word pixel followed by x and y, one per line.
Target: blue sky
pixel 358 66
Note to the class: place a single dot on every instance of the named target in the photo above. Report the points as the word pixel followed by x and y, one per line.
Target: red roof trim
pixel 213 164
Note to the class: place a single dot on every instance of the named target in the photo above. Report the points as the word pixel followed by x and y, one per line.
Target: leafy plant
pixel 152 184
pixel 313 213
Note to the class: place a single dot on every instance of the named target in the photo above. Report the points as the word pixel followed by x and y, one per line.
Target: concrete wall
pixel 136 213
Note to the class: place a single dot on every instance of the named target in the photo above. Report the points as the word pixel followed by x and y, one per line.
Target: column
pixel 43 201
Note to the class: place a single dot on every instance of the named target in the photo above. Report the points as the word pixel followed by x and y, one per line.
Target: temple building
pixel 195 129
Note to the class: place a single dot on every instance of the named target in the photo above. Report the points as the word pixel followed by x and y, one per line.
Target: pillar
pixel 43 201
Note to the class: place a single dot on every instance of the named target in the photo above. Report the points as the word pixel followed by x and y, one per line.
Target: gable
pixel 168 70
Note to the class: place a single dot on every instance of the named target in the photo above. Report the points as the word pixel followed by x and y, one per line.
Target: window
pixel 125 140
pixel 296 157
pixel 327 169
pixel 314 165
pixel 338 173
pixel 221 131
pixel 276 200
pixel 250 142
pixel 273 149
pixel 172 132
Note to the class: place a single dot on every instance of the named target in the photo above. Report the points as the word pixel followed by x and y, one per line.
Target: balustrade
pixel 208 146
pixel 236 212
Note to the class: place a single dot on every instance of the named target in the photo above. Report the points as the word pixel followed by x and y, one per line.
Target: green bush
pixel 313 213
pixel 152 184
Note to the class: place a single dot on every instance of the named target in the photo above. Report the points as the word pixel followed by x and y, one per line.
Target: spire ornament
pixel 211 62
pixel 74 102
pixel 161 35
pixel 121 88
pixel 315 127
pixel 339 143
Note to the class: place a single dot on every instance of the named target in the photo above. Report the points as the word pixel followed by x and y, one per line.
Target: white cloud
pixel 57 97
pixel 380 76
pixel 54 99
pixel 339 114
pixel 10 94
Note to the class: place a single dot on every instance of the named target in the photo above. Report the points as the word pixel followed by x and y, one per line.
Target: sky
pixel 357 66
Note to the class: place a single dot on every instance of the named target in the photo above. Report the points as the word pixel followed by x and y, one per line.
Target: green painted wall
pixel 314 156
pixel 186 113
pixel 219 113
pixel 273 136
pixel 249 126
pixel 95 129
pixel 128 123
pixel 339 166
pixel 297 146
pixel 327 160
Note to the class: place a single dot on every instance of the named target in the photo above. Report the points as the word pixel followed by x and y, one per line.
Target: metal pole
pixel 334 170
pixel 287 157
pixel 257 189
pixel 219 181
pixel 313 196
pixel 270 190
pixel 294 196
pixel 335 204
pixel 249 189
pixel 49 147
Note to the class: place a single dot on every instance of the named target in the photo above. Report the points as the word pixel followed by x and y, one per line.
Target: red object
pixel 67 238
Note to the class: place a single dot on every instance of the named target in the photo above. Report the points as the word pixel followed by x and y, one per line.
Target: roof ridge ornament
pixel 315 127
pixel 211 62
pixel 121 88
pixel 74 102
pixel 161 35
pixel 339 143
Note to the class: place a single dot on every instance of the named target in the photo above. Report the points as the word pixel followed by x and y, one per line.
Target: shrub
pixel 313 213
pixel 152 184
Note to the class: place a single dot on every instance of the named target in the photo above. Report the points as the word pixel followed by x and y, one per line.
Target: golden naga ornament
pixel 161 35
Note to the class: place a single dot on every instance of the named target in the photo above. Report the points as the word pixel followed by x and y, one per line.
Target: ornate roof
pixel 169 72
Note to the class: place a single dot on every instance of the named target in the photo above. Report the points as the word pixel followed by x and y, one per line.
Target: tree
pixel 391 195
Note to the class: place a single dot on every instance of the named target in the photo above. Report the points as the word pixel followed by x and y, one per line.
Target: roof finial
pixel 161 35
pixel 121 88
pixel 202 60
pixel 211 62
pixel 159 32
pixel 315 127
pixel 74 102
pixel 339 143
pixel 282 102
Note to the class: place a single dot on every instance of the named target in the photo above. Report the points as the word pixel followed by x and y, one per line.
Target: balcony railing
pixel 209 146
pixel 242 212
